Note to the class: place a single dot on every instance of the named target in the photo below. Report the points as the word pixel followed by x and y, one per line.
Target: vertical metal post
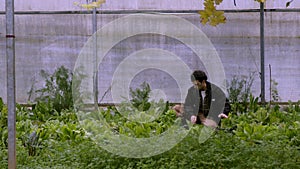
pixel 262 53
pixel 11 88
pixel 270 71
pixel 95 76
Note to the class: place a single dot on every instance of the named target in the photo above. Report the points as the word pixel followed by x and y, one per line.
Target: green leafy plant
pixel 57 90
pixel 137 117
pixel 240 93
pixel 3 124
pixel 1 104
pixel 264 137
pixel 121 124
pixel 140 97
pixel 274 92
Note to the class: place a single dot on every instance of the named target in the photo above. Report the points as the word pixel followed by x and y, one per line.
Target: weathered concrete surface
pixel 48 41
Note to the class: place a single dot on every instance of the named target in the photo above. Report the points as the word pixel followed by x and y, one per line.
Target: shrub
pixel 57 90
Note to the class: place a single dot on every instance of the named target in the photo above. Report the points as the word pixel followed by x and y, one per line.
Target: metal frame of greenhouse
pixel 10 55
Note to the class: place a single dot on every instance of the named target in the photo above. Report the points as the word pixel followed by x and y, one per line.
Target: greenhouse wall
pixel 47 41
pixel 62 5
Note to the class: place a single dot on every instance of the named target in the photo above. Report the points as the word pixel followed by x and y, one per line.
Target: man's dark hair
pixel 198 75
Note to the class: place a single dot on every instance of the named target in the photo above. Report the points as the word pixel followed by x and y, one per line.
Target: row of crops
pixel 51 136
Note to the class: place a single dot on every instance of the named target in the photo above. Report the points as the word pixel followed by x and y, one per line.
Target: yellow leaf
pixel 210 14
pixel 218 2
pixel 99 2
pixel 91 5
pixel 86 6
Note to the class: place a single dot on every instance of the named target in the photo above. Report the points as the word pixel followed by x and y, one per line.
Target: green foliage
pixel 240 93
pixel 35 128
pixel 43 111
pixel 140 97
pixel 57 90
pixel 240 88
pixel 264 137
pixel 140 117
pixel 78 96
pixel 274 92
pixel 3 124
pixel 1 104
pixel 122 125
pixel 266 125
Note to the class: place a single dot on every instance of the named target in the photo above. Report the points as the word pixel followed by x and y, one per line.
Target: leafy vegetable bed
pixel 49 134
pixel 261 138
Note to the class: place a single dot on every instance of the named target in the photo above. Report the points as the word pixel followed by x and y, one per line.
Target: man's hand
pixel 204 121
pixel 222 115
pixel 193 119
pixel 210 123
pixel 202 118
pixel 178 109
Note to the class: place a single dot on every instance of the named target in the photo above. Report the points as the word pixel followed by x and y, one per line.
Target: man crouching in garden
pixel 207 111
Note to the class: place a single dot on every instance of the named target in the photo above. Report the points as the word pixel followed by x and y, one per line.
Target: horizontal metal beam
pixel 144 11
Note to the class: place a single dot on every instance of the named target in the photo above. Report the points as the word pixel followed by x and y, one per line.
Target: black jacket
pixel 214 103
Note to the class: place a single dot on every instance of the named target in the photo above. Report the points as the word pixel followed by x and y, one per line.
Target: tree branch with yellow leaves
pixel 90 5
pixel 210 15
